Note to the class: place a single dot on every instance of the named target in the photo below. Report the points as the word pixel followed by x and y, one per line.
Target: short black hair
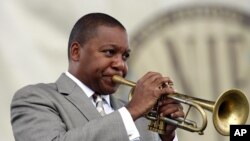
pixel 85 28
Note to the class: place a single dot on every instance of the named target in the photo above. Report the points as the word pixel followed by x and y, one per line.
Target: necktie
pixel 99 104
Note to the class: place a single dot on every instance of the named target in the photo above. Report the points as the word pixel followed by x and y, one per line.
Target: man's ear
pixel 75 51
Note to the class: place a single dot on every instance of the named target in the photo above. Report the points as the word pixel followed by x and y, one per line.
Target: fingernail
pixel 159 103
pixel 172 115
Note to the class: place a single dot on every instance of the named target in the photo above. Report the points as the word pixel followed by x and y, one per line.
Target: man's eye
pixel 109 52
pixel 126 56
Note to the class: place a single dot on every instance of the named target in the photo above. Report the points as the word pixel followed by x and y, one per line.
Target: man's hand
pixel 147 91
pixel 172 109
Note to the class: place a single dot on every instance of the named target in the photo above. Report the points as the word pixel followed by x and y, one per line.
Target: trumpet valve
pixel 157 126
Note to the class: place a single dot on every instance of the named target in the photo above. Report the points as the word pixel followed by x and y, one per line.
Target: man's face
pixel 102 57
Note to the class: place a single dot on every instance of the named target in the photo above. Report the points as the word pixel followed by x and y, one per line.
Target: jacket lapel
pixel 77 97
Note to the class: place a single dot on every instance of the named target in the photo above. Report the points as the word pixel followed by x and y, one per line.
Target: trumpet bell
pixel 230 108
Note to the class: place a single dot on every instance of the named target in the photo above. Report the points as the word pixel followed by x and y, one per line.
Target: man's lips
pixel 109 79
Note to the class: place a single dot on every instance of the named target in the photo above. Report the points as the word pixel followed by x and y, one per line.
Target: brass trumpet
pixel 230 108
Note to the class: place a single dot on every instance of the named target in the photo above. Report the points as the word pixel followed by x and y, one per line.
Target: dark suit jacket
pixel 60 111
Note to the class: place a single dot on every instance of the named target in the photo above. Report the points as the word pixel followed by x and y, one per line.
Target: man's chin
pixel 111 90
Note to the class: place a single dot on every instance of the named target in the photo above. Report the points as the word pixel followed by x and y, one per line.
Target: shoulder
pixel 35 91
pixel 34 88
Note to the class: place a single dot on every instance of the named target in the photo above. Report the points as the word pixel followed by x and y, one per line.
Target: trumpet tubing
pixel 231 107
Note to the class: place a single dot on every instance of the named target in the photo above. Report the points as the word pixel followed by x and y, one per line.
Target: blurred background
pixel 204 46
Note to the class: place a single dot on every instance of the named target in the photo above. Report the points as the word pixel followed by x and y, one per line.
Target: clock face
pixel 205 50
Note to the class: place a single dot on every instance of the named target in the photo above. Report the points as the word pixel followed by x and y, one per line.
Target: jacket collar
pixel 76 96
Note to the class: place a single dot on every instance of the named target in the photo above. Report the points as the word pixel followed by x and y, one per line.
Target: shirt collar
pixel 85 88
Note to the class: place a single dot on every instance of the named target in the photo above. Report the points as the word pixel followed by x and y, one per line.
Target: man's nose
pixel 119 63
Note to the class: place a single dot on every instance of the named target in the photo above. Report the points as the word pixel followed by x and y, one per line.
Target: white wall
pixel 34 36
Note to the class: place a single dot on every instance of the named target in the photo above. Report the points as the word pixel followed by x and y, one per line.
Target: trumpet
pixel 230 108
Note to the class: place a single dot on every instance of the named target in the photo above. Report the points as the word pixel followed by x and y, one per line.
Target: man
pixel 65 110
